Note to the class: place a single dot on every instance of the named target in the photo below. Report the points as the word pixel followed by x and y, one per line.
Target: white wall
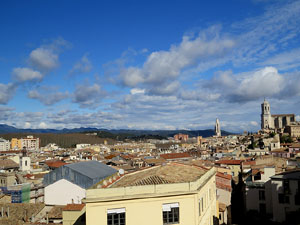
pixel 62 192
pixel 25 163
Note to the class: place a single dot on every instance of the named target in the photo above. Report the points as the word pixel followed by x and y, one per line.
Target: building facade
pixel 181 137
pixel 4 145
pixel 278 121
pixel 154 200
pixel 30 143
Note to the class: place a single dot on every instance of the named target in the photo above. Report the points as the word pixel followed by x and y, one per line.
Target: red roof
pixel 226 176
pixel 73 207
pixel 55 164
pixel 249 163
pixel 175 155
pixel 229 162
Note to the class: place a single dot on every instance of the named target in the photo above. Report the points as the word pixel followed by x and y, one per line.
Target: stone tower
pixel 217 128
pixel 266 118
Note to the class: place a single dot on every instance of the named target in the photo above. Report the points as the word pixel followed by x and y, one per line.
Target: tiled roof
pixel 175 155
pixel 249 163
pixel 277 115
pixel 226 176
pixel 229 162
pixel 110 156
pixel 55 164
pixel 295 145
pixel 170 173
pixel 7 164
pixel 56 212
pixel 73 207
pixel 151 180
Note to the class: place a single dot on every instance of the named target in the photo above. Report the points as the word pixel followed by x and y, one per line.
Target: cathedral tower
pixel 266 118
pixel 218 128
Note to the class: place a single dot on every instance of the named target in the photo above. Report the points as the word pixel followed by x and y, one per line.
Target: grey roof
pixel 84 174
pixel 92 169
pixel 290 175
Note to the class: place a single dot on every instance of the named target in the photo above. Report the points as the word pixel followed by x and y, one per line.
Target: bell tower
pixel 266 118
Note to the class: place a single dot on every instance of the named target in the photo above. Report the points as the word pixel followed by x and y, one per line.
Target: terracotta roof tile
pixel 229 162
pixel 55 164
pixel 73 207
pixel 175 155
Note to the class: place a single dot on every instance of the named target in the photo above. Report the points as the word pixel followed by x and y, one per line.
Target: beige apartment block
pixel 169 194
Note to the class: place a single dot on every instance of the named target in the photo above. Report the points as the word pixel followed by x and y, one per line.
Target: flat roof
pixel 165 174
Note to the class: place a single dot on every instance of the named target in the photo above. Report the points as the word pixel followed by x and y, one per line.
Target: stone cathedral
pixel 274 122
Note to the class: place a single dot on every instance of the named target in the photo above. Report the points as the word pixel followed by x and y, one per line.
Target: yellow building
pixel 169 194
pixel 29 143
pixel 16 143
pixel 73 213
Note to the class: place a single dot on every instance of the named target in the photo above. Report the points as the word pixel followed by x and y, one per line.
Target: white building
pixel 30 143
pixel 286 196
pixel 277 196
pixel 68 183
pixel 259 193
pixel 81 146
pixel 4 145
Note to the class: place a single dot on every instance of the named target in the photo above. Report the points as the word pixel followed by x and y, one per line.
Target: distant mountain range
pixel 5 129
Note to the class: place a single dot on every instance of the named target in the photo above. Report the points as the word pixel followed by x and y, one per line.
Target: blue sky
pixel 148 64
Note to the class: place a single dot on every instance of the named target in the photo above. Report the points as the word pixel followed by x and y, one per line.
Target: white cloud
pixel 47 95
pixel 83 66
pixel 254 123
pixel 88 96
pixel 44 59
pixel 266 82
pixel 26 74
pixel 161 69
pixel 42 125
pixel 27 125
pixel 135 91
pixel 7 91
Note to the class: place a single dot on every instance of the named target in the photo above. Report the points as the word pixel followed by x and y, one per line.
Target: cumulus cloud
pixel 46 57
pixel 162 68
pixel 266 82
pixel 7 91
pixel 88 96
pixel 27 125
pixel 84 65
pixel 42 125
pixel 26 74
pixel 47 95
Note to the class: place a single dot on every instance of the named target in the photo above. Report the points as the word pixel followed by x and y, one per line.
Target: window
pixel 171 213
pixel 116 216
pixel 286 186
pixel 283 199
pixel 261 194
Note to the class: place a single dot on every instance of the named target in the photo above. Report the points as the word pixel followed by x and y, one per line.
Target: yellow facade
pixel 143 205
pixel 70 217
pixel 16 143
